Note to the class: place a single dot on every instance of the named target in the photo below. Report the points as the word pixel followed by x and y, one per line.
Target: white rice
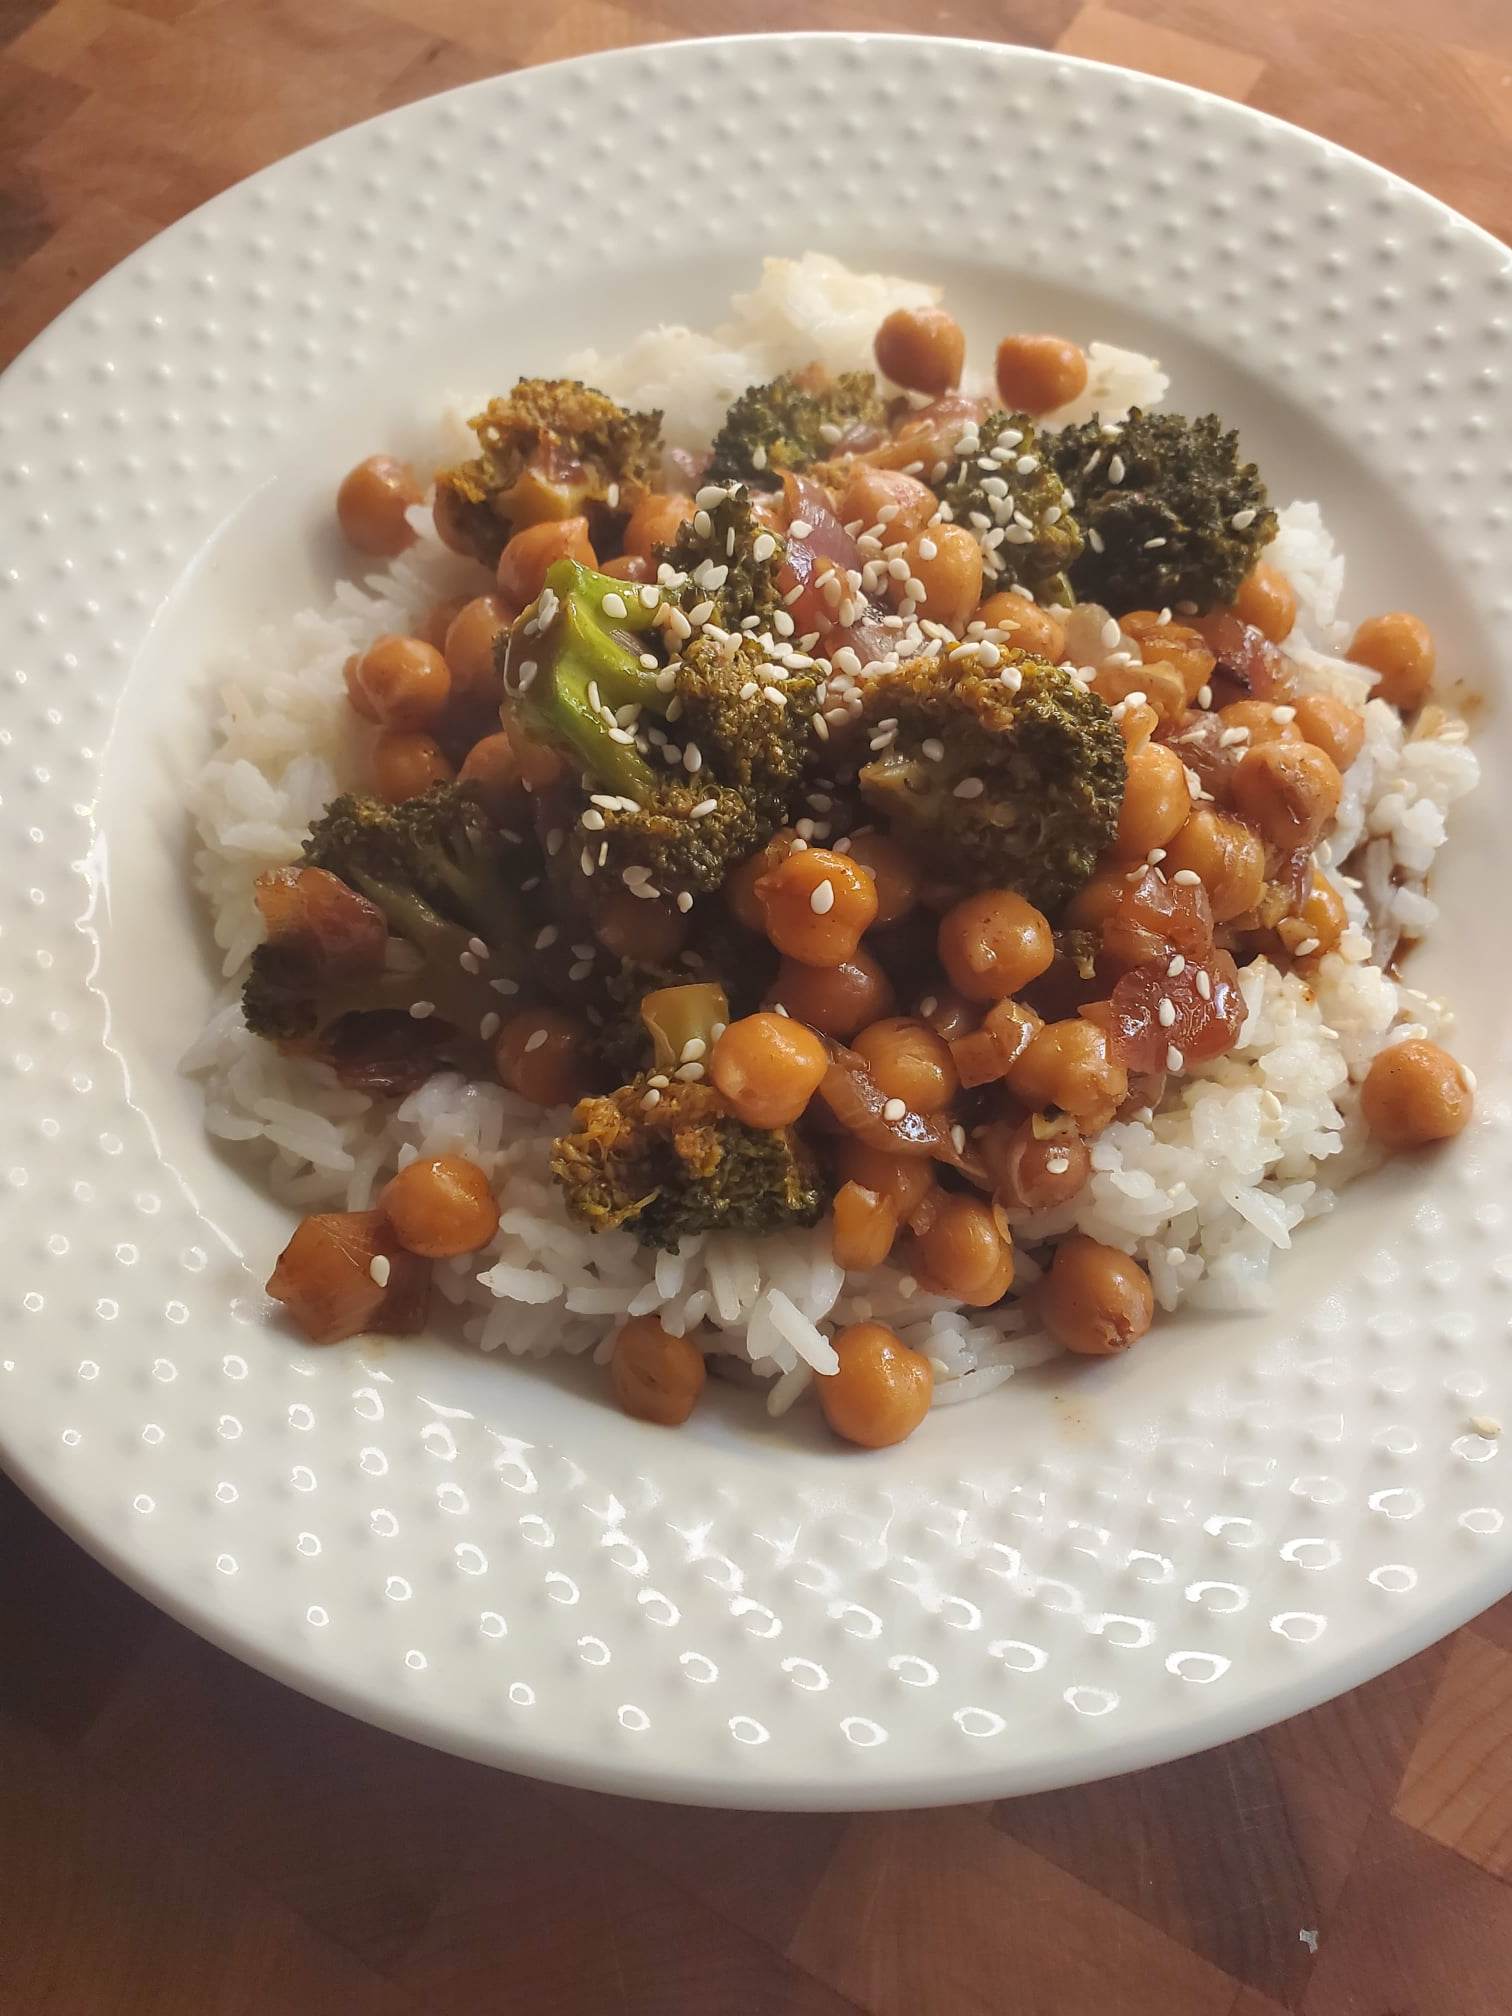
pixel 1205 1191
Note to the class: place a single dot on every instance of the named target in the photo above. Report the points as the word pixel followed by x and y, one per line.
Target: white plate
pixel 1098 1568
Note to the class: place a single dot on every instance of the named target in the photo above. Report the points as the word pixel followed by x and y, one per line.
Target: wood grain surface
pixel 179 1837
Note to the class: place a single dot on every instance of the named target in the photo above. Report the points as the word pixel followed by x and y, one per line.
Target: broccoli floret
pixel 1016 783
pixel 1170 513
pixel 801 418
pixel 434 873
pixel 690 766
pixel 1028 534
pixel 669 1160
pixel 552 449
pixel 733 564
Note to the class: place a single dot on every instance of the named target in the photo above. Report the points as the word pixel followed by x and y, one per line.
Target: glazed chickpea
pixel 441 1206
pixel 454 523
pixel 1036 374
pixel 949 1014
pixel 961 1252
pixel 656 521
pixel 946 561
pixel 817 906
pixel 528 556
pixel 469 646
pixel 1137 722
pixel 357 700
pixel 865 1224
pixel 542 1053
pixel 739 890
pixel 1156 801
pixel 893 871
pixel 921 349
pixel 767 1068
pixel 648 933
pixel 628 567
pixel 403 681
pixel 1319 925
pixel 1032 1173
pixel 406 764
pixel 1096 900
pixel 1290 790
pixel 1158 686
pixel 1173 644
pixel 882 1390
pixel 656 1376
pixel 993 943
pixel 1067 1065
pixel 837 999
pixel 1024 626
pixel 1262 721
pixel 1399 648
pixel 491 772
pixel 439 618
pixel 540 765
pixel 909 1062
pixel 903 1181
pixel 372 502
pixel 1338 730
pixel 1095 1301
pixel 887 499
pixel 1268 600
pixel 1227 856
pixel 1415 1092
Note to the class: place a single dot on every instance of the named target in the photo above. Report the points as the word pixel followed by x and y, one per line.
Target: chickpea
pixel 656 1376
pixel 404 682
pixel 441 1206
pixel 961 1251
pixel 946 561
pixel 1067 1065
pixel 949 1014
pixel 406 764
pixel 1338 730
pixel 882 1390
pixel 1033 1173
pixel 904 1181
pixel 739 890
pixel 357 700
pixel 454 522
pixel 1137 722
pixel 892 869
pixel 1399 648
pixel 372 502
pixel 1156 802
pixel 767 1067
pixel 1024 626
pixel 1175 644
pixel 1262 721
pixel 1289 789
pixel 542 1053
pixel 1037 374
pixel 921 349
pixel 647 933
pixel 865 1226
pixel 1227 856
pixel 984 1055
pixel 491 772
pixel 1268 600
pixel 469 646
pixel 531 553
pixel 909 1062
pixel 1320 923
pixel 817 906
pixel 1097 899
pixel 1415 1092
pixel 1160 686
pixel 1095 1300
pixel 656 521
pixel 836 999
pixel 628 567
pixel 540 765
pixel 994 943
pixel 439 618
pixel 870 492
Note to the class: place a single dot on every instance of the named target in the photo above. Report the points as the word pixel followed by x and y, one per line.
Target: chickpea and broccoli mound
pixel 760 824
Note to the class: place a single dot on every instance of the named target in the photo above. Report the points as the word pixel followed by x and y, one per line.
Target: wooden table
pixel 180 1835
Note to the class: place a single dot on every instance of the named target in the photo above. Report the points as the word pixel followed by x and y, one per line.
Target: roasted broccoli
pixel 433 873
pixel 1014 781
pixel 801 418
pixel 1018 507
pixel 665 1156
pixel 552 449
pixel 731 561
pixel 689 766
pixel 1170 514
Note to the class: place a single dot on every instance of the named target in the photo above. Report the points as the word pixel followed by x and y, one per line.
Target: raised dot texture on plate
pixel 1091 1570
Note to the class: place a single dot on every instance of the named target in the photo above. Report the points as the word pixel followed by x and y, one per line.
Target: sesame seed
pixel 958 1138
pixel 1094 539
pixel 703 808
pixel 1187 877
pixel 933 748
pixel 1167 1012
pixel 775 694
pixel 970 787
pixel 614 605
pixel 1283 713
pixel 580 969
pixel 700 612
pixel 468 961
pixel 800 528
pixel 1307 948
pixel 1151 544
pixel 593 822
pixel 1204 984
pixel 1242 520
pixel 379 1269
pixel 684 901
pixel 505 986
pixel 1174 1059
pixel 894 1109
pixel 692 1050
pixel 692 759
pixel 821 728
pixel 1116 469
pixel 929 1004
pixel 763 547
pixel 490 1026
pixel 1204 697
pixel 689 1074
pixel 1485 1425
pixel 1232 737
pixel 822 898
pixel 758 456
pixel 1176 968
pixel 534 1040
pixel 547 935
pixel 1058 1162
pixel 1110 633
pixel 420 1009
